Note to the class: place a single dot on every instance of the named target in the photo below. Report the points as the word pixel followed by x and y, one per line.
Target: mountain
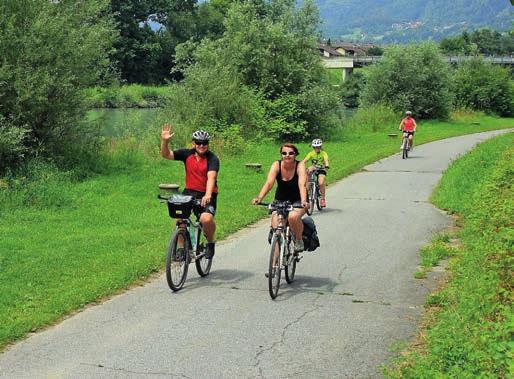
pixel 408 20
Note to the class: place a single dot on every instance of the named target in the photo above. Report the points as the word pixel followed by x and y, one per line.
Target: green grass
pixel 67 243
pixel 471 333
pixel 335 76
pixel 128 96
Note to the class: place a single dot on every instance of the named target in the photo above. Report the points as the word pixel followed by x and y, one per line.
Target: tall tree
pixel 50 52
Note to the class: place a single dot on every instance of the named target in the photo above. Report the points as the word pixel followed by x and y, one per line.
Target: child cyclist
pixel 321 158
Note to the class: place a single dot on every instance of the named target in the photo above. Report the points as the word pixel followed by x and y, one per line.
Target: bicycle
pixel 282 255
pixel 405 145
pixel 313 190
pixel 186 241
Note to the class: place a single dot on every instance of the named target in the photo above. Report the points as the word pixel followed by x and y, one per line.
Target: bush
pixel 411 77
pixel 483 87
pixel 51 51
pixel 374 118
pixel 263 75
pixel 12 148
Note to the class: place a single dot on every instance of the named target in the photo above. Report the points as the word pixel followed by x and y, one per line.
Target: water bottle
pixel 192 234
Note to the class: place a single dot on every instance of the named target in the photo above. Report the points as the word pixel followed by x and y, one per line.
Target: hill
pixel 409 20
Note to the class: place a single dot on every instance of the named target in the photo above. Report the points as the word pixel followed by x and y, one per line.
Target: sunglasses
pixel 286 153
pixel 201 143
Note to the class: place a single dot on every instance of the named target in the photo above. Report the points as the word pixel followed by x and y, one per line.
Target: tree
pixel 267 53
pixel 50 52
pixel 484 87
pixel 413 77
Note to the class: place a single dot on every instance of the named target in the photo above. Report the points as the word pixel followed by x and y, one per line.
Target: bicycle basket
pixel 180 206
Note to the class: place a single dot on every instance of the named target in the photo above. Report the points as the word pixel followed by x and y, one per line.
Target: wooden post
pixel 168 189
pixel 254 166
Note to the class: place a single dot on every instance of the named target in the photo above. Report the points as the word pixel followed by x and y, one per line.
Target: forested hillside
pixel 406 20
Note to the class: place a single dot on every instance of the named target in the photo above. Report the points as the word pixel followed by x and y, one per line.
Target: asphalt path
pixel 352 301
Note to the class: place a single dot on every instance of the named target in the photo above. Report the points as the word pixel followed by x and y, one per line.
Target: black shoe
pixel 209 250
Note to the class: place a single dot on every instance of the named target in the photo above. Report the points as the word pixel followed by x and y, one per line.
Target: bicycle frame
pixel 282 231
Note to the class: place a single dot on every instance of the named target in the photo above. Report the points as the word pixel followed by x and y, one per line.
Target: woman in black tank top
pixel 291 178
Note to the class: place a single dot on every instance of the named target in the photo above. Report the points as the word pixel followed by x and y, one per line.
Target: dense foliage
pixel 50 51
pixel 262 78
pixel 150 30
pixel 484 87
pixel 413 77
pixel 483 41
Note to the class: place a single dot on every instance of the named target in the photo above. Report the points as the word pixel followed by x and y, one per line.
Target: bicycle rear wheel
pixel 290 269
pixel 274 267
pixel 310 196
pixel 203 265
pixel 177 260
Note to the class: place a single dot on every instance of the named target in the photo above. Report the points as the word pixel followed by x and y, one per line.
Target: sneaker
pixel 209 250
pixel 323 203
pixel 266 274
pixel 179 255
pixel 298 246
pixel 401 147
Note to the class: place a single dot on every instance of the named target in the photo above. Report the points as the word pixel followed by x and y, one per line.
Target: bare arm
pixel 327 162
pixel 166 135
pixel 268 185
pixel 302 182
pixel 415 125
pixel 211 181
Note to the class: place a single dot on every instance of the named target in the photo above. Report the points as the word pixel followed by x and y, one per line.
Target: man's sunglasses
pixel 203 143
pixel 286 153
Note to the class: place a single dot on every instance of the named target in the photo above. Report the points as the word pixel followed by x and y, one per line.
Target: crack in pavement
pixel 412 171
pixel 283 335
pixel 135 372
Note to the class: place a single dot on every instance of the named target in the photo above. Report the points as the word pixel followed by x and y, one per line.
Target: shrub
pixel 374 118
pixel 484 87
pixel 413 77
pixel 51 51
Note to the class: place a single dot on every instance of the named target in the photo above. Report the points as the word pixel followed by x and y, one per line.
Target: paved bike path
pixel 351 300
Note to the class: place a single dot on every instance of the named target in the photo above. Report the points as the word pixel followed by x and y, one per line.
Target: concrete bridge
pixel 348 63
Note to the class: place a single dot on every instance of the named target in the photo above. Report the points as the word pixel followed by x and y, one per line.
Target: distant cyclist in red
pixel 408 125
pixel 202 168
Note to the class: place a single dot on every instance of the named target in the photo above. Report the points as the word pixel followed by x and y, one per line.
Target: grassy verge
pixel 67 243
pixel 470 331
pixel 129 96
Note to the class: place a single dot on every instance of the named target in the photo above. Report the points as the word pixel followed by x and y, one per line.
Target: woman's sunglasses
pixel 286 153
pixel 202 143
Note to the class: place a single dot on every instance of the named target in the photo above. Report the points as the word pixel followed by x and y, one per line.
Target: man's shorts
pixel 409 133
pixel 210 208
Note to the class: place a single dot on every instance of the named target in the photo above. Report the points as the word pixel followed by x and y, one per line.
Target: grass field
pixel 468 333
pixel 66 244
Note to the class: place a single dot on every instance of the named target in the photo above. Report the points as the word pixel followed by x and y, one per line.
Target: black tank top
pixel 287 189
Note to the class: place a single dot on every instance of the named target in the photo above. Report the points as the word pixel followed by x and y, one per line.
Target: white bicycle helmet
pixel 408 113
pixel 316 142
pixel 201 135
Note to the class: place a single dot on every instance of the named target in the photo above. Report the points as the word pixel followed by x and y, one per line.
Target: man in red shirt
pixel 408 125
pixel 201 166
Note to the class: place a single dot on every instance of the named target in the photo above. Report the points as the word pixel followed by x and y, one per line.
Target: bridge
pixel 348 63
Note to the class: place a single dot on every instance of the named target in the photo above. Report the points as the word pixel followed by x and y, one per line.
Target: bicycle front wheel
pixel 177 260
pixel 318 197
pixel 203 265
pixel 405 147
pixel 274 267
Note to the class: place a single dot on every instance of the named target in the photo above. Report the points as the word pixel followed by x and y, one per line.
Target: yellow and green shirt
pixel 320 157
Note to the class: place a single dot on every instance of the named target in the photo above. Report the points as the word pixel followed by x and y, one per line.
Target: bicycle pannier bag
pixel 180 206
pixel 310 234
